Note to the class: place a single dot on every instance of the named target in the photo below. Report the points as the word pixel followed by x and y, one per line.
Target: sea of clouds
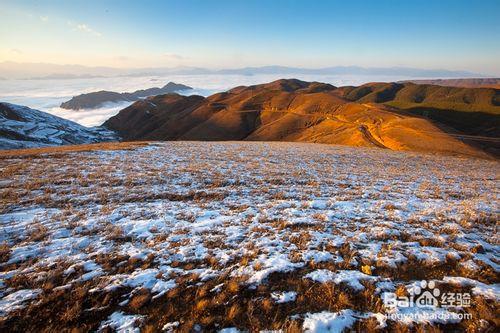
pixel 47 95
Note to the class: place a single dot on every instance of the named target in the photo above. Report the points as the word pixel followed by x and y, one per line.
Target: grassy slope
pixel 293 110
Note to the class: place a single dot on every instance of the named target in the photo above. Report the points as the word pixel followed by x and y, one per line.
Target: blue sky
pixel 380 33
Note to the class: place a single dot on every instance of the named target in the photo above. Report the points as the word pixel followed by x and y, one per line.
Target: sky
pixel 444 34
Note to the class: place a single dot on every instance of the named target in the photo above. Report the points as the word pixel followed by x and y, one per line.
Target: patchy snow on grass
pixel 491 292
pixel 349 277
pixel 326 322
pixel 170 327
pixel 236 222
pixel 284 297
pixel 270 264
pixel 17 300
pixel 122 323
pixel 321 275
pixel 40 129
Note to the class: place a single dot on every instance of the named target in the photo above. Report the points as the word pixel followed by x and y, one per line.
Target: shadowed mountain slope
pixel 96 99
pixel 380 115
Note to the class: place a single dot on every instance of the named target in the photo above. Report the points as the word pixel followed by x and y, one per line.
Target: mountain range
pixel 96 99
pixel 14 70
pixel 395 116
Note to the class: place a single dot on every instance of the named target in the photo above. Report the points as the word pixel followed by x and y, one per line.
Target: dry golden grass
pixel 210 222
pixel 4 252
pixel 56 152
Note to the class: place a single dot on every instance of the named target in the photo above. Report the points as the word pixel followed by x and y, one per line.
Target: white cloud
pixel 44 18
pixel 90 117
pixel 173 56
pixel 84 28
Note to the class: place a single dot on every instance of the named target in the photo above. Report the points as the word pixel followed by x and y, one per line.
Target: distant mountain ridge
pixel 346 70
pixel 96 99
pixel 22 127
pixel 13 70
pixel 66 77
pixel 387 115
pixel 465 83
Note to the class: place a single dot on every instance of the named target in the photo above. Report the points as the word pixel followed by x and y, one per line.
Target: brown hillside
pixel 466 83
pixel 410 95
pixel 146 118
pixel 375 115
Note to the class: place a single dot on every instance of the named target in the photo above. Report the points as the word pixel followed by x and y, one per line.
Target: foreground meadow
pixel 197 236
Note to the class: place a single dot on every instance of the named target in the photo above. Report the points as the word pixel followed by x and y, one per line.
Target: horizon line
pixel 243 66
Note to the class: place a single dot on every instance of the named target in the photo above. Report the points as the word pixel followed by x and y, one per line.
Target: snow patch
pixel 350 277
pixel 284 297
pixel 122 323
pixel 16 300
pixel 324 322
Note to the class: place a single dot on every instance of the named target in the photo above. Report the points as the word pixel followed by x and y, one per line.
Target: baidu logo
pixel 426 294
pixel 427 297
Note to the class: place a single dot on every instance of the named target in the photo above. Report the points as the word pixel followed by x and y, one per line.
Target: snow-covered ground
pixel 206 236
pixel 23 127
